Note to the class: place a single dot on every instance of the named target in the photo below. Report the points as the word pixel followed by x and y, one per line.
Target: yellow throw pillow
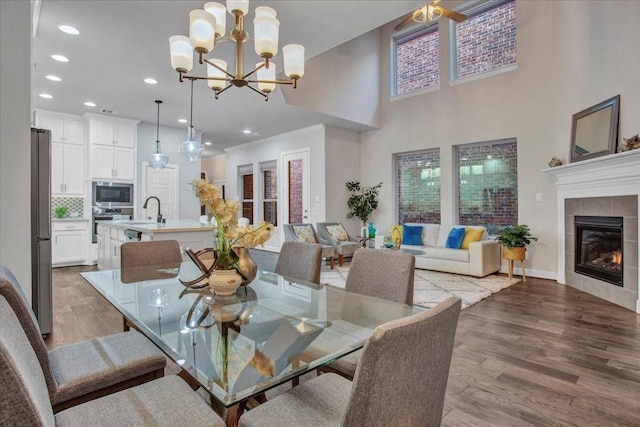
pixel 337 232
pixel 304 233
pixel 471 235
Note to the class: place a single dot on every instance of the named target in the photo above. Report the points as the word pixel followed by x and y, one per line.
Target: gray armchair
pixel 401 380
pixel 344 244
pixel 306 233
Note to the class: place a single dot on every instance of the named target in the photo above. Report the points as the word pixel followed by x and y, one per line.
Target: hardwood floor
pixel 536 354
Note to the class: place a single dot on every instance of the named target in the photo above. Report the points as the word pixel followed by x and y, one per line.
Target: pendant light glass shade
pixel 157 159
pixel 190 148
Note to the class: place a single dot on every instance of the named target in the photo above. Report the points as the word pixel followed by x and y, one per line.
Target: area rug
pixel 433 287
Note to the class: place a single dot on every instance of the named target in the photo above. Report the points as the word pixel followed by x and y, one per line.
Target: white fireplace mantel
pixel 612 175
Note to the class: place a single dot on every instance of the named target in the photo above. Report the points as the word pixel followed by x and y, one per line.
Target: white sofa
pixel 481 259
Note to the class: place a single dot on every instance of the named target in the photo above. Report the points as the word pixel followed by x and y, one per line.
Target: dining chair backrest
pixel 403 371
pixel 382 274
pixel 300 260
pixel 11 290
pixel 159 255
pixel 25 399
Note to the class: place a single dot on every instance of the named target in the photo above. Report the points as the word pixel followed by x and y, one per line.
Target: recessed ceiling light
pixel 182 120
pixel 246 131
pixel 151 81
pixel 45 96
pixel 53 78
pixel 207 143
pixel 59 58
pixel 68 29
pixel 89 104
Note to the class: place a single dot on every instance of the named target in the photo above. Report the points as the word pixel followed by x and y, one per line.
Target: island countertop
pixel 148 227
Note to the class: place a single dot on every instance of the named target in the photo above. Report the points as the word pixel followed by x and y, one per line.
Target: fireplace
pixel 599 243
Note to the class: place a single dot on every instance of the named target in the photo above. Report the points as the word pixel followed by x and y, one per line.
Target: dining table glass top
pixel 238 346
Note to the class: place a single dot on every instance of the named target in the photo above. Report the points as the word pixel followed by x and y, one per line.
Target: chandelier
pixel 207 27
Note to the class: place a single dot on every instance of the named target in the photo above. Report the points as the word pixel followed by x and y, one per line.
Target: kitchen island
pixel 111 235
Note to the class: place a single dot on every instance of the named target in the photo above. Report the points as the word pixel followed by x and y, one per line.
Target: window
pixel 418 186
pixel 246 191
pixel 488 184
pixel 486 41
pixel 416 61
pixel 269 176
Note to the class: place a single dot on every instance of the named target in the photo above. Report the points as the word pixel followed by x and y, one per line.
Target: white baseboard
pixel 540 274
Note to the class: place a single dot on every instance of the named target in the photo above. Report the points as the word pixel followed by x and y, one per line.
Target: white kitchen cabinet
pixel 64 128
pixel 67 169
pixel 112 149
pixel 112 133
pixel 103 239
pixel 69 242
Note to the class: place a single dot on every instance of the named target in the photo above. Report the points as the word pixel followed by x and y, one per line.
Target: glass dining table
pixel 237 347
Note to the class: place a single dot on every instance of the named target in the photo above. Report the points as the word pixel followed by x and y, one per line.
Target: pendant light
pixel 157 159
pixel 190 148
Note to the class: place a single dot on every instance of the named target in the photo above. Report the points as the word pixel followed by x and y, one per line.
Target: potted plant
pixel 363 201
pixel 60 211
pixel 515 240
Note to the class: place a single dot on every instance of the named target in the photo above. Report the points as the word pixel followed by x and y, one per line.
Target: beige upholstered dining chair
pixel 344 244
pixel 300 260
pixel 24 400
pixel 149 260
pixel 307 233
pixel 401 380
pixel 377 273
pixel 83 371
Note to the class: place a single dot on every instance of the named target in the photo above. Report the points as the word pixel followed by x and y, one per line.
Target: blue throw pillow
pixel 412 234
pixel 454 240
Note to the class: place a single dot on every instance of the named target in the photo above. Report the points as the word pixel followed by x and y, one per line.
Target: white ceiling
pixel 123 42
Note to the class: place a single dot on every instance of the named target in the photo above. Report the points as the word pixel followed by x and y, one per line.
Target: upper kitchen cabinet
pixel 64 128
pixel 112 148
pixel 67 169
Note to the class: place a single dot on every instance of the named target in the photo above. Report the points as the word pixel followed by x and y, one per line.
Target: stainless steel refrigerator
pixel 41 290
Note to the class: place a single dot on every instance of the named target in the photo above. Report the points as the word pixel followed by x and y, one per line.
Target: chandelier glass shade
pixel 157 159
pixel 190 148
pixel 207 27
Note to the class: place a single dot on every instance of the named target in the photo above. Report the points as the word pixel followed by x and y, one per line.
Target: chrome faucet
pixel 159 219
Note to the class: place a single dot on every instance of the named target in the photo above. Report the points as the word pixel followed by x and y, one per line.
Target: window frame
pixel 271 165
pixel 456 176
pixel 472 10
pixel 244 170
pixel 415 30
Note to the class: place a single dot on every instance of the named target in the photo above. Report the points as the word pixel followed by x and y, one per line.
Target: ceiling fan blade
pixel 458 17
pixel 408 20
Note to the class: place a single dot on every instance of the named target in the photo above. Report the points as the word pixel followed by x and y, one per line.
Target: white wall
pixel 170 139
pixel 269 149
pixel 215 167
pixel 15 151
pixel 342 165
pixel 569 57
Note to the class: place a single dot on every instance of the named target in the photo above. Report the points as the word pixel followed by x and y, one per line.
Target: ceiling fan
pixel 429 13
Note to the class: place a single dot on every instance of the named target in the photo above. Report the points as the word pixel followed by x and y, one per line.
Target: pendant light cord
pixel 158 124
pixel 191 113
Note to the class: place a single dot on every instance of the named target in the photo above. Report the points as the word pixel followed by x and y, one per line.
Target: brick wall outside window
pixel 488 184
pixel 247 196
pixel 417 61
pixel 486 41
pixel 418 181
pixel 295 191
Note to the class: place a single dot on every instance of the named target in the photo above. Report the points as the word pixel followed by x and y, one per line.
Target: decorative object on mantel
pixel 632 143
pixel 594 131
pixel 157 159
pixel 554 162
pixel 515 240
pixel 229 237
pixel 207 27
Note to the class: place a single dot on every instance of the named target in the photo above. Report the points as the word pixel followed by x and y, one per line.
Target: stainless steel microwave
pixel 111 194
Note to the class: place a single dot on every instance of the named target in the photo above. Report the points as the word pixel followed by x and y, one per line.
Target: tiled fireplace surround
pixel 604 186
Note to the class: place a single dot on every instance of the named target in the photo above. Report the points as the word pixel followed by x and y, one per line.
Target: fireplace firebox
pixel 599 248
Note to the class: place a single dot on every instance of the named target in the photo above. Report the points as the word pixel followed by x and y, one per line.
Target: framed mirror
pixel 594 131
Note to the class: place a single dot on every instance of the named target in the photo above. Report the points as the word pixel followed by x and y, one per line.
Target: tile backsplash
pixel 75 206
